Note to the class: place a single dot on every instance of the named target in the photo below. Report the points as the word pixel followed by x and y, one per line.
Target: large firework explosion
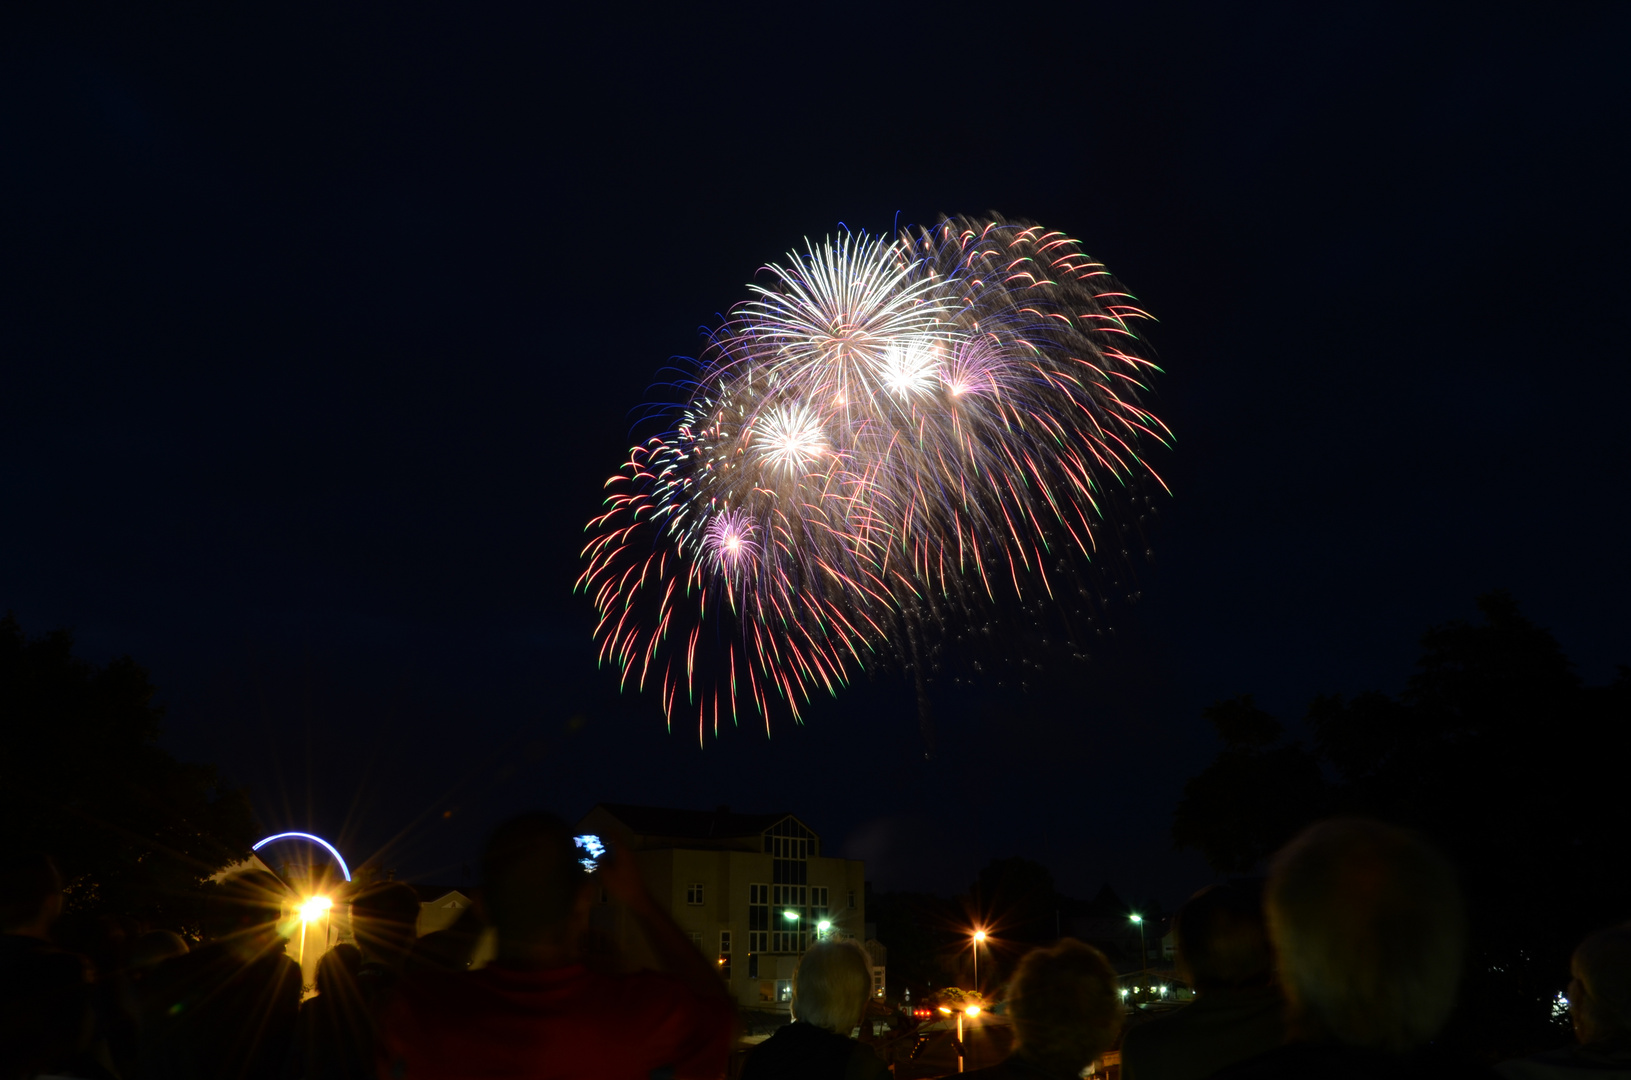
pixel 893 436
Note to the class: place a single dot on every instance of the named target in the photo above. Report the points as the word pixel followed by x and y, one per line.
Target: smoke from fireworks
pixel 891 433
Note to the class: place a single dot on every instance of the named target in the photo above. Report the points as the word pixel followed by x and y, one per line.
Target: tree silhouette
pixel 82 777
pixel 1494 750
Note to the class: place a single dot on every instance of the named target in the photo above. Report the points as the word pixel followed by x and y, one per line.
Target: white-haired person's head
pixel 1369 931
pixel 1065 1007
pixel 831 986
pixel 1600 994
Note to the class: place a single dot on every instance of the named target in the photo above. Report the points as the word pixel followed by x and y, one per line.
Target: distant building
pixel 439 908
pixel 753 891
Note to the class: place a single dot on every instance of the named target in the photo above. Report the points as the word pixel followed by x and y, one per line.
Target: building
pixel 439 908
pixel 753 891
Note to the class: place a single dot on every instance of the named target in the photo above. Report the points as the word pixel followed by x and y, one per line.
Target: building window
pixel 784 990
pixel 753 965
pixel 725 954
pixel 852 899
pixel 790 846
pixel 877 982
pixel 696 938
pixel 693 894
pixel 790 924
pixel 758 919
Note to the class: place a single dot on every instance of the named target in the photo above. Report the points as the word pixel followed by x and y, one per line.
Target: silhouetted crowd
pixel 1346 966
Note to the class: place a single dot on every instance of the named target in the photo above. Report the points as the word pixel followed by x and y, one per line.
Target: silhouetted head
pixel 385 921
pixel 452 948
pixel 1221 939
pixel 1600 995
pixel 102 939
pixel 831 985
pixel 155 947
pixel 337 970
pixel 1368 929
pixel 30 894
pixel 1064 1006
pixel 243 905
pixel 532 880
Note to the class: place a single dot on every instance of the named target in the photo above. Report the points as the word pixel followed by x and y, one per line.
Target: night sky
pixel 321 329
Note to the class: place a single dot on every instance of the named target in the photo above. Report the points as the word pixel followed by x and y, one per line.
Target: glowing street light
pixel 823 926
pixel 979 939
pixel 311 909
pixel 791 916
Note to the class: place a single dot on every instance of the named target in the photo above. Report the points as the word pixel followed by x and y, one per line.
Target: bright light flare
pixel 909 367
pixel 314 908
pixel 972 1010
pixel 730 539
pixel 789 438
pixel 973 369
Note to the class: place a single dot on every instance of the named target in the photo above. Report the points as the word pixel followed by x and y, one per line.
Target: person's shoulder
pixel 1012 1068
pixel 865 1064
pixel 1565 1063
pixel 39 964
pixel 1305 1061
pixel 1292 1060
pixel 1159 1027
pixel 655 989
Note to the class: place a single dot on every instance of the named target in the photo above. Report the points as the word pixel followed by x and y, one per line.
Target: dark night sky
pixel 320 330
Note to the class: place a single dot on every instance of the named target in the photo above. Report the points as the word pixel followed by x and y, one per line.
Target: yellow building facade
pixel 753 891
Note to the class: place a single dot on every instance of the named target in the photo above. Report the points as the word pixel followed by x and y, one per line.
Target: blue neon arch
pixel 332 850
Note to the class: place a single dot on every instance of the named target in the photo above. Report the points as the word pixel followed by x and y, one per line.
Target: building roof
pixel 720 823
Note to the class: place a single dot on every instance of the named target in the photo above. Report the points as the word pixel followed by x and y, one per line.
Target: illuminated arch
pixel 332 850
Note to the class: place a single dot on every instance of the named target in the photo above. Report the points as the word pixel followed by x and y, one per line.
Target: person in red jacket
pixel 536 1011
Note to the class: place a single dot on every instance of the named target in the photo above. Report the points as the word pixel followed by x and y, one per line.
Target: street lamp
pixel 979 939
pixel 970 1011
pixel 1143 953
pixel 312 909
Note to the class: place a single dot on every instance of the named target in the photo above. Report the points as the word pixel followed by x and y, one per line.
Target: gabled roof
pixel 720 823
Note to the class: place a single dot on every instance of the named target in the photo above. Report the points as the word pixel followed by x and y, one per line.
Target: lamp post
pixel 314 908
pixel 979 939
pixel 1143 953
pixel 970 1011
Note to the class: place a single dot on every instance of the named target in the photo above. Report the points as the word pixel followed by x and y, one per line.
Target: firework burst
pixel 891 433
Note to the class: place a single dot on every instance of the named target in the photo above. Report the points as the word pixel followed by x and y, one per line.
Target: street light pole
pixel 979 938
pixel 1143 952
